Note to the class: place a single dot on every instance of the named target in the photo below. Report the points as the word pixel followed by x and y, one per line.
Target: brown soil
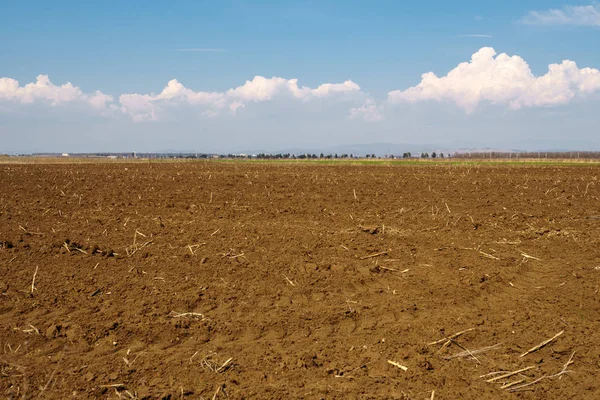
pixel 272 281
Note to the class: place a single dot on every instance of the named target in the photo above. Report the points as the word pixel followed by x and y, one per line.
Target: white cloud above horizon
pixel 260 89
pixel 487 78
pixel 369 112
pixel 501 79
pixel 44 89
pixel 588 15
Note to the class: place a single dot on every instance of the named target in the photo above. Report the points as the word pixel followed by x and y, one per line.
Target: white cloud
pixel 260 89
pixel 141 107
pixel 502 79
pixel 486 78
pixel 568 15
pixel 99 100
pixel 44 90
pixel 368 111
pixel 328 89
pixel 147 106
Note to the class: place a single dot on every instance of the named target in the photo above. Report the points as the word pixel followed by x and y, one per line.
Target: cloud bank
pixel 568 15
pixel 260 89
pixel 487 78
pixel 44 89
pixel 501 79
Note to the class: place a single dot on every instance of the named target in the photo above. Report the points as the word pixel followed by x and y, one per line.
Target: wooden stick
pixel 488 255
pixel 450 337
pixel 28 232
pixel 465 349
pixel 33 281
pixel 564 368
pixel 186 314
pixel 493 373
pixel 289 280
pixel 539 346
pixel 374 255
pixel 216 393
pixel 509 374
pixel 559 375
pixel 225 364
pixel 532 257
pixel 395 364
pixel 472 352
pixel 38 332
pixel 511 384
pixel 516 388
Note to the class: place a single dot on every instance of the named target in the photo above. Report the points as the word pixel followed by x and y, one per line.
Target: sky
pixel 241 75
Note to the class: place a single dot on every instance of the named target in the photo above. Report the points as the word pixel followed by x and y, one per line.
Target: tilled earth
pixel 276 281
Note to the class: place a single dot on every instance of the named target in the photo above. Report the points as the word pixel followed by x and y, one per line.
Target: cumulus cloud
pixel 44 90
pixel 502 79
pixel 487 78
pixel 568 15
pixel 147 106
pixel 369 111
pixel 99 100
pixel 150 106
pixel 260 89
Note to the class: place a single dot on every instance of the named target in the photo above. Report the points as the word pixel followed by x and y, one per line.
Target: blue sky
pixel 358 66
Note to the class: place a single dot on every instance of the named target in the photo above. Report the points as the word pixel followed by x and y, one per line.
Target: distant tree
pixel 373 156
pixel 434 155
pixel 406 155
pixel 441 155
pixel 321 155
pixel 424 155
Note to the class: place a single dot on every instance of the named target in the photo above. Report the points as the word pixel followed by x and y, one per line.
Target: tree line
pixel 574 155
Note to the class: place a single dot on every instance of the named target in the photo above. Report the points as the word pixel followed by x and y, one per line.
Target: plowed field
pixel 277 281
